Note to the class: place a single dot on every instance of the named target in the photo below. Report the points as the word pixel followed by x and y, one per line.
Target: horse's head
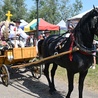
pixel 88 23
pixel 87 28
pixel 94 21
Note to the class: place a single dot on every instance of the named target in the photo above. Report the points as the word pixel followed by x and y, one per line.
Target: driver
pixel 17 36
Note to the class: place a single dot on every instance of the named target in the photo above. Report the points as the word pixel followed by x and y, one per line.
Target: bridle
pixel 94 25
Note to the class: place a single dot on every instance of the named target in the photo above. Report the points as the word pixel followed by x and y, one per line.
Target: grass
pixel 91 80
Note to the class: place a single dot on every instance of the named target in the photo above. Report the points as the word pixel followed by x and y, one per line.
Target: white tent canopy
pixel 62 25
pixel 23 22
pixel 79 15
pixel 75 19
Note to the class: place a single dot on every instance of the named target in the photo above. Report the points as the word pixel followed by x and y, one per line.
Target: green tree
pixel 68 9
pixel 1 12
pixel 50 11
pixel 77 6
pixel 55 10
pixel 47 10
pixel 17 8
pixel 6 5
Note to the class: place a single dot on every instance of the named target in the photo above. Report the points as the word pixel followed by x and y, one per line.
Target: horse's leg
pixel 70 76
pixel 52 76
pixel 46 73
pixel 81 82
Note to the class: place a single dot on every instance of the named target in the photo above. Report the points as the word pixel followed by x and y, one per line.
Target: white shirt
pixel 14 31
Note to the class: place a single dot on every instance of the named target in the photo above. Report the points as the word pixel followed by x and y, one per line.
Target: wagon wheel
pixel 5 75
pixel 36 70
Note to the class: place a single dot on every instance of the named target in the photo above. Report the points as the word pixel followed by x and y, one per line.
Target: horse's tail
pixel 39 45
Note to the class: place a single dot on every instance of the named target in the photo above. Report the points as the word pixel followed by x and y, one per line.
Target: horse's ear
pixel 93 6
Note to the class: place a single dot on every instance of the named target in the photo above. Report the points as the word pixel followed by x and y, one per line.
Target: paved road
pixel 23 86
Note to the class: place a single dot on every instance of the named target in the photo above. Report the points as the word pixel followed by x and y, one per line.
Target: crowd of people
pixel 18 37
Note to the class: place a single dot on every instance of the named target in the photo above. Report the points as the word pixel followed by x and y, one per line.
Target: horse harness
pixel 82 49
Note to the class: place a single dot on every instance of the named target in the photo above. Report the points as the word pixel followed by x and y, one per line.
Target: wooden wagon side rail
pixel 44 60
pixel 2 56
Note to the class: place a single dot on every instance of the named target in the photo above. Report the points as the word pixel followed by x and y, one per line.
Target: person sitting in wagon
pixel 17 36
pixel 4 33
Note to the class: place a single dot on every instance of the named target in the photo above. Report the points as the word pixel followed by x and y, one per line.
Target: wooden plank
pixel 17 53
pixel 29 52
pixel 2 56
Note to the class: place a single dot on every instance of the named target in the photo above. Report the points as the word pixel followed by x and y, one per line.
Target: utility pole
pixel 37 2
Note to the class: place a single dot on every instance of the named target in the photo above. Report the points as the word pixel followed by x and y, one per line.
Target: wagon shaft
pixel 45 60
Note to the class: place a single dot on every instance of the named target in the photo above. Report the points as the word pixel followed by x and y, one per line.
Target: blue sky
pixel 29 3
pixel 87 4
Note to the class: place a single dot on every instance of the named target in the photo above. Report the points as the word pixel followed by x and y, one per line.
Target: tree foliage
pixel 17 8
pixel 76 7
pixel 55 10
pixel 51 10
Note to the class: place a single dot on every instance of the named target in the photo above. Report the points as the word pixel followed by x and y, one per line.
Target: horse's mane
pixel 83 20
pixel 83 29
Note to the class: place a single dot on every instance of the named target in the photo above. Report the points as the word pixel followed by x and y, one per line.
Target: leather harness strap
pixel 71 46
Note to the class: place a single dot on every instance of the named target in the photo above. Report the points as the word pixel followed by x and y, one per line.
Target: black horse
pixel 76 62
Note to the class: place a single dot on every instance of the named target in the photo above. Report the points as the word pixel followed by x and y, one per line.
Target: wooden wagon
pixel 17 56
